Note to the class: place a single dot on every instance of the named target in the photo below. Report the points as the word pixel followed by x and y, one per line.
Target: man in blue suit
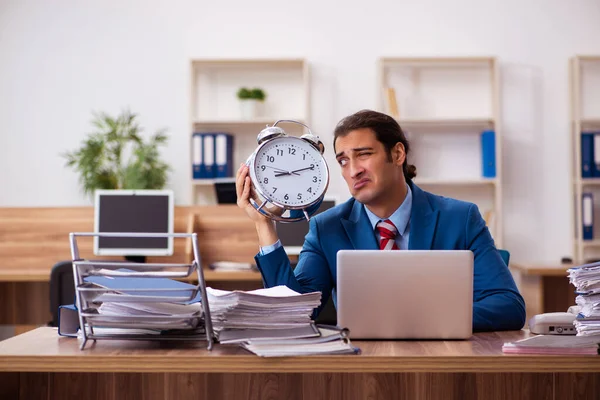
pixel 372 150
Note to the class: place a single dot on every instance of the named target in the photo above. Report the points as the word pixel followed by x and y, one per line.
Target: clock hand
pixel 292 172
pixel 301 169
pixel 281 171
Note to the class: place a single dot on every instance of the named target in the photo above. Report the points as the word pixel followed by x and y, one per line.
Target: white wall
pixel 60 60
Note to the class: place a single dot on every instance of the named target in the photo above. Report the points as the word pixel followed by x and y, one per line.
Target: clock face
pixel 289 171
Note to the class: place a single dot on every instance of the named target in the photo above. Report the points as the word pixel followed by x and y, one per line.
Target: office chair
pixel 62 288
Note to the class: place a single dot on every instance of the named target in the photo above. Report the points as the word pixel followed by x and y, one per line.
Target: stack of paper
pixel 331 340
pixel 154 303
pixel 586 279
pixel 554 344
pixel 149 315
pixel 276 312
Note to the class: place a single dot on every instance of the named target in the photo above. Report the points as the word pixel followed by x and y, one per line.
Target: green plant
pixel 244 94
pixel 115 156
pixel 256 94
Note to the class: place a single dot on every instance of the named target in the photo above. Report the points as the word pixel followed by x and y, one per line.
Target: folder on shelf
pixel 223 155
pixel 596 155
pixel 208 145
pixel 488 153
pixel 587 215
pixel 587 154
pixel 197 153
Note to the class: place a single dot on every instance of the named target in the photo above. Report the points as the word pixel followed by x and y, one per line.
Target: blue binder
pixel 197 153
pixel 596 156
pixel 587 215
pixel 208 158
pixel 587 154
pixel 488 153
pixel 223 155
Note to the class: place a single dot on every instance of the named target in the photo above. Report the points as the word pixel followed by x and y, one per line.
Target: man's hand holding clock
pixel 284 179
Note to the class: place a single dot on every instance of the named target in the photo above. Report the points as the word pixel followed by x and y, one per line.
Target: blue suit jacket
pixel 436 223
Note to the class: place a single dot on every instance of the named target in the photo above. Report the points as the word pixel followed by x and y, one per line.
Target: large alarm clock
pixel 289 174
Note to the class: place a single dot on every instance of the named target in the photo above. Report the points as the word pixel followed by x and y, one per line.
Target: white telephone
pixel 553 323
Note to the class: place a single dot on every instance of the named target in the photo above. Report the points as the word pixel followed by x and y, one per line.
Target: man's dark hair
pixel 387 131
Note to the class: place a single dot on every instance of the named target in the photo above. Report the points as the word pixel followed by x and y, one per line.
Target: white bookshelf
pixel 584 77
pixel 444 103
pixel 214 106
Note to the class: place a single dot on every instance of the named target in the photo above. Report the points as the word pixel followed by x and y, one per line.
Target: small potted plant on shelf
pixel 116 156
pixel 251 102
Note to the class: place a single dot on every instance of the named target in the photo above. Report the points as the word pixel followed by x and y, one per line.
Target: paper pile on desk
pixel 331 340
pixel 554 344
pixel 586 279
pixel 276 312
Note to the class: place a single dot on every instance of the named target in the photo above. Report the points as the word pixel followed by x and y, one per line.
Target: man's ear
pixel 398 154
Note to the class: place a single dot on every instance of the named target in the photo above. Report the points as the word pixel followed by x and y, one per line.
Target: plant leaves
pixel 100 159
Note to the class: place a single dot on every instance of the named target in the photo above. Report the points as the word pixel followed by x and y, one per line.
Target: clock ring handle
pixel 313 139
pixel 294 122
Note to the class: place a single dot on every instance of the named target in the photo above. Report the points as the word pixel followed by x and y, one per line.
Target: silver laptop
pixel 405 294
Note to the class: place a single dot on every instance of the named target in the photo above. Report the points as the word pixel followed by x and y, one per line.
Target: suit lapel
pixel 423 221
pixel 359 229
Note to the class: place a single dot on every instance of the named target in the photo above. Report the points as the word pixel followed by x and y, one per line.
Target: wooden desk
pixel 39 364
pixel 545 288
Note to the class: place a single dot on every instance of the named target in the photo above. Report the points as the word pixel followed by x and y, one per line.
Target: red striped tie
pixel 387 231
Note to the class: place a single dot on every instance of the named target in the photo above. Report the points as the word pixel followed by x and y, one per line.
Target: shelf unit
pixel 584 87
pixel 214 106
pixel 443 104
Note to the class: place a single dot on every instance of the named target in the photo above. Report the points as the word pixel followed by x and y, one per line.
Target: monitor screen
pixel 133 211
pixel 292 234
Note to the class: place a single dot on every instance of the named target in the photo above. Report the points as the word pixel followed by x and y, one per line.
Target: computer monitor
pixel 291 234
pixel 137 211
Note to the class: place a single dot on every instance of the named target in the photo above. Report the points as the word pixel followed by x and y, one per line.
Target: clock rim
pixel 253 177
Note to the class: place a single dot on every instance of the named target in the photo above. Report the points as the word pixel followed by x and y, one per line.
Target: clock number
pixel 303 156
pixel 274 189
pixel 312 167
pixel 270 158
pixel 286 197
pixel 309 190
pixel 291 151
pixel 279 152
pixel 314 178
pixel 266 180
pixel 299 196
pixel 262 167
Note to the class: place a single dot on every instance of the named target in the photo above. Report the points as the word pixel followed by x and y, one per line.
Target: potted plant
pixel 251 101
pixel 115 156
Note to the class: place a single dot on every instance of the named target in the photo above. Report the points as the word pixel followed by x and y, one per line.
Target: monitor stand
pixel 136 259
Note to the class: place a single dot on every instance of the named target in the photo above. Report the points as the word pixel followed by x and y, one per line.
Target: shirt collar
pixel 400 217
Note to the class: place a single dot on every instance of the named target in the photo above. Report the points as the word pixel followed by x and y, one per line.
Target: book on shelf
pixel 391 102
